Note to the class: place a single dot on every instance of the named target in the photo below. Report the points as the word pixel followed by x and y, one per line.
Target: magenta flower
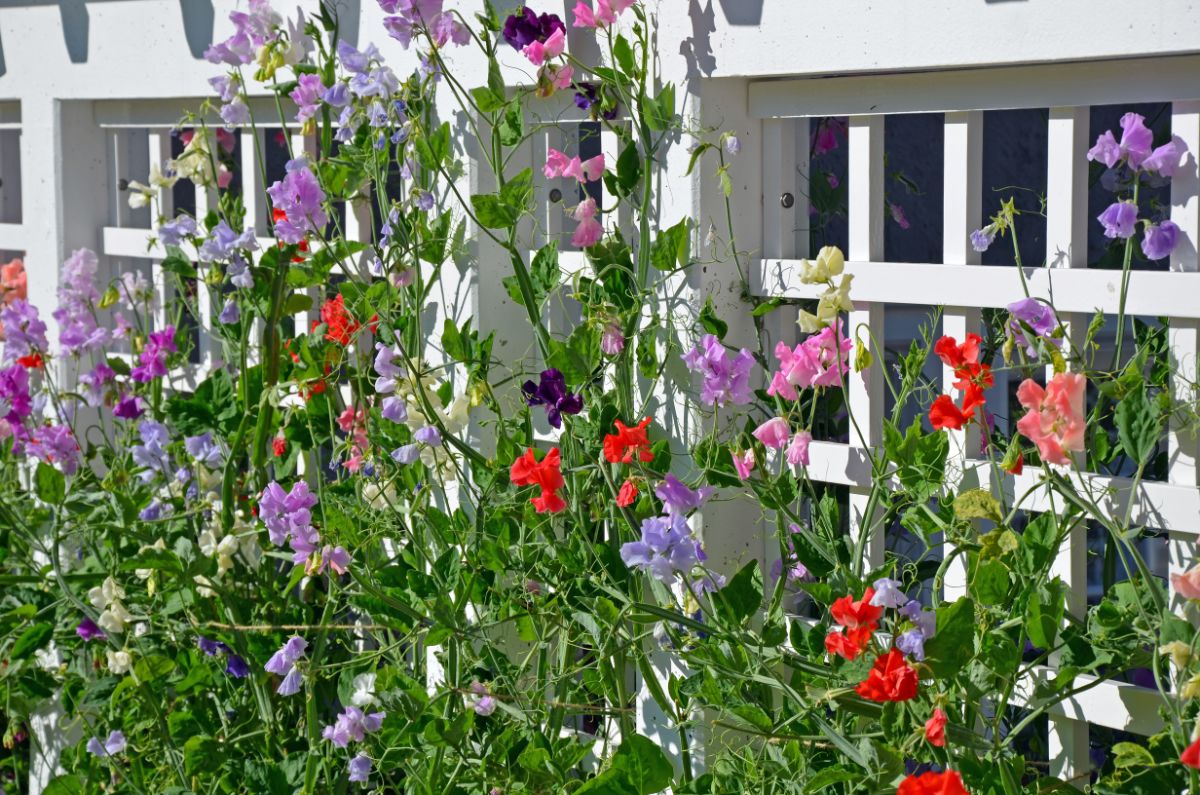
pixel 88 630
pixel 726 377
pixel 56 445
pixel 521 30
pixel 1119 220
pixel 1160 239
pixel 773 433
pixel 551 392
pixel 129 407
pixel 24 331
pixel 153 358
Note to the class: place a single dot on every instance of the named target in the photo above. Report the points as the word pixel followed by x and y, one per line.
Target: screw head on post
pixel 787 200
pixel 122 184
pixel 555 195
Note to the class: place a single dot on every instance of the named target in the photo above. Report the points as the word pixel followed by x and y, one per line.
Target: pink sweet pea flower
pixel 743 463
pixel 797 450
pixel 1187 584
pixel 539 52
pixel 589 231
pixel 593 169
pixel 556 163
pixel 573 169
pixel 773 433
pixel 1055 421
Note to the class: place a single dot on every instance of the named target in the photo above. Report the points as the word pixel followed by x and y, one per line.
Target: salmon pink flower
pixel 931 782
pixel 1055 421
pixel 528 471
pixel 890 679
pixel 627 494
pixel 1187 584
pixel 935 728
pixel 622 446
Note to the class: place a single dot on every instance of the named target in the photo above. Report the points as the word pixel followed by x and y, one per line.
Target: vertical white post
pixel 1066 247
pixel 1183 444
pixel 159 150
pixel 865 392
pixel 252 187
pixel 963 192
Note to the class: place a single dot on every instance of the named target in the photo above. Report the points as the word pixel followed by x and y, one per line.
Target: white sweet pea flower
pixel 364 690
pixel 103 595
pixel 49 658
pixel 113 619
pixel 830 263
pixel 163 179
pixel 140 195
pixel 119 662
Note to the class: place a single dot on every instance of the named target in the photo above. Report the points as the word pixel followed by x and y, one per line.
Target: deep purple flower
pixel 726 377
pixel 129 407
pixel 236 667
pixel 527 27
pixel 551 392
pixel 300 197
pixel 678 498
pixel 1160 240
pixel 1119 220
pixel 666 548
pixel 15 401
pixel 88 630
pixel 211 647
pixel 588 98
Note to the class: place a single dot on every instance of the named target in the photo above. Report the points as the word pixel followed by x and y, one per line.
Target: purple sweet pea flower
pixel 14 394
pixel 236 667
pixel 204 450
pixel 114 745
pixel 153 358
pixel 300 197
pixel 551 392
pixel 588 98
pixel 230 312
pixel 678 498
pixel 352 725
pixel 129 407
pixel 1165 159
pixel 981 239
pixel 307 95
pixel 1160 239
pixel 1119 220
pixel 284 513
pixel 1037 316
pixel 360 768
pixel 726 378
pixel 55 444
pixel 666 548
pixel 407 454
pixel 223 242
pixel 394 409
pixel 211 648
pixel 429 435
pixel 24 330
pixel 283 662
pixel 173 232
pixel 1134 147
pixel 527 27
pixel 912 643
pixel 88 630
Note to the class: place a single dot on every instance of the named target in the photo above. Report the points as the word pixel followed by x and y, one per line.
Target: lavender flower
pixel 407 454
pixel 394 409
pixel 307 95
pixel 1160 239
pixel 352 725
pixel 360 768
pixel 982 239
pixel 151 454
pixel 14 394
pixel 300 197
pixel 223 242
pixel 551 392
pixel 114 745
pixel 283 662
pixel 1119 220
pixel 912 643
pixel 888 593
pixel 678 498
pixel 211 648
pixel 55 444
pixel 173 232
pixel 355 61
pixel 1037 316
pixel 429 435
pixel 230 312
pixel 24 331
pixel 484 702
pixel 77 328
pixel 204 450
pixel 726 379
pixel 612 341
pixel 92 382
pixel 667 547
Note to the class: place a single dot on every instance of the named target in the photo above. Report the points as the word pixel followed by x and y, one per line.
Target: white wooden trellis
pixel 1068 90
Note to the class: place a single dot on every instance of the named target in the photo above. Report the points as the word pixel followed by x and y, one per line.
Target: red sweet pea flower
pixel 627 494
pixel 947 782
pixel 340 325
pixel 851 643
pixel 1191 755
pixel 852 614
pixel 279 445
pixel 528 471
pixel 33 361
pixel 955 355
pixel 945 414
pixel 935 728
pixel 890 679
pixel 620 447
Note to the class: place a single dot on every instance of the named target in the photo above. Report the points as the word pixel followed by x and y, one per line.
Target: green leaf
pixel 920 458
pixel 1044 613
pixel 512 126
pixel 952 647
pixel 629 170
pixel 31 640
pixel 660 111
pixel 672 247
pixel 201 754
pixel 1131 755
pixel 639 767
pixel 977 504
pixel 711 323
pixel 624 55
pixel 434 147
pixel 1138 425
pixel 64 785
pixel 491 212
pixel 50 483
pixel 991 583
pixel 486 99
pixel 517 192
pixel 1039 542
pixel 178 263
pixel 742 596
pixel 297 303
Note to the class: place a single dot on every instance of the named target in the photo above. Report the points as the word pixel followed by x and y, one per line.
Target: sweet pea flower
pixel 1119 220
pixel 726 377
pixel 551 392
pixel 773 433
pixel 890 679
pixel 982 239
pixel 1187 584
pixel 301 199
pixel 604 14
pixel 666 548
pixel 830 262
pixel 539 52
pixel 352 725
pixel 1055 421
pixel 933 782
pixel 935 728
pixel 283 663
pixel 112 746
pixel 359 768
pixel 912 643
pixel 743 463
pixel 589 231
pixel 1038 316
pixel 525 28
pixel 1165 160
pixel 612 340
pixel 1160 239
pixel 1134 147
pixel 678 498
pixel 797 449
pixel 888 593
pixel 484 702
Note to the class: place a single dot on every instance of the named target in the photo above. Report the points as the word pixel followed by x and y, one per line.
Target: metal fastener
pixel 787 200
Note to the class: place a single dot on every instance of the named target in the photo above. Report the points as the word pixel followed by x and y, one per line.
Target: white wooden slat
pixel 159 151
pixel 865 390
pixel 119 169
pixel 1169 294
pixel 13 237
pixel 252 182
pixel 1066 247
pixel 962 188
pixel 1028 86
